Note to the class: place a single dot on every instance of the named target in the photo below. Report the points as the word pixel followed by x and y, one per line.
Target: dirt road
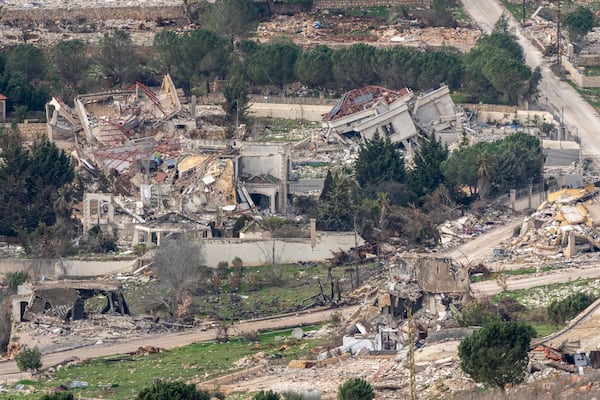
pixel 490 288
pixel 481 248
pixel 9 370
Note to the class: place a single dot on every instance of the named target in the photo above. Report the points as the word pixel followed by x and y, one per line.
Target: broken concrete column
pixel 513 198
pixel 193 107
pixel 313 232
pixel 570 250
pixel 530 196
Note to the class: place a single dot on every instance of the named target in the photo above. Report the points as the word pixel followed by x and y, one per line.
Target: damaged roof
pixel 361 99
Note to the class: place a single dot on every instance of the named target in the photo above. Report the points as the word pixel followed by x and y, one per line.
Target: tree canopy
pixel 378 161
pixel 426 174
pixel 30 183
pixel 579 22
pixel 496 355
pixel 180 269
pixel 230 18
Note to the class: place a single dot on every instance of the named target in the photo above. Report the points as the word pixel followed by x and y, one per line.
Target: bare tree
pixel 180 268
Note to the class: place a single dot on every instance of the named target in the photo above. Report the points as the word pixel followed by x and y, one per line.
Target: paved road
pixel 9 370
pixel 579 116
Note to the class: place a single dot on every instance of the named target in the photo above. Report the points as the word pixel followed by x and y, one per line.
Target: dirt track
pixel 481 248
pixel 9 370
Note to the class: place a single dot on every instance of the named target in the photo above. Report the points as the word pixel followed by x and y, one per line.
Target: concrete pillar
pixel 530 196
pixel 570 250
pixel 136 237
pixel 193 107
pixel 513 198
pixel 313 232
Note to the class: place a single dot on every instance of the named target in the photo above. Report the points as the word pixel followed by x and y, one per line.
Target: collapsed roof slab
pixel 65 299
pixel 373 109
pixel 435 108
pixel 111 118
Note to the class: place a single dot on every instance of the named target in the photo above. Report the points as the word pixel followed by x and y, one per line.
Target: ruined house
pixel 419 285
pixel 398 115
pixel 66 301
pixel 169 176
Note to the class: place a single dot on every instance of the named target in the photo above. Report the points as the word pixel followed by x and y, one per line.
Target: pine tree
pixel 378 161
pixel 426 174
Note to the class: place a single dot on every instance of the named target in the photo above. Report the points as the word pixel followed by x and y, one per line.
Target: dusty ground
pixel 436 366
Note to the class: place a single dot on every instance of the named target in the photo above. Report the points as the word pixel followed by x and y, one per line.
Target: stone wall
pixel 78 268
pixel 328 4
pixel 288 111
pixel 255 252
pixel 578 77
pixel 94 14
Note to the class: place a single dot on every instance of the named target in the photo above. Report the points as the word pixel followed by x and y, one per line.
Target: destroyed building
pixel 66 301
pixel 417 286
pixel 169 175
pixel 398 115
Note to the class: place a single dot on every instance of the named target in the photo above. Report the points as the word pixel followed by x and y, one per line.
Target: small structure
pixel 65 300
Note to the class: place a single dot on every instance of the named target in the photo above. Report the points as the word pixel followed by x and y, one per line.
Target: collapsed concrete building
pixel 420 286
pixel 168 175
pixel 399 115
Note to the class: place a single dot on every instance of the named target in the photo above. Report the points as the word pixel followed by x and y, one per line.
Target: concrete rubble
pixel 564 226
pixel 376 337
pixel 58 316
pixel 311 28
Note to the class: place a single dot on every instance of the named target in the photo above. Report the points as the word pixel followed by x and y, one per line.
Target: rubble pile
pixel 52 335
pixel 50 33
pixel 462 38
pixel 564 226
pixel 312 28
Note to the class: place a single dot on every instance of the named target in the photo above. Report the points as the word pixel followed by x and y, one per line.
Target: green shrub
pixel 14 279
pixel 164 390
pixel 560 311
pixel 29 359
pixel 355 389
pixel 478 314
pixel 58 396
pixel 293 396
pixel 266 395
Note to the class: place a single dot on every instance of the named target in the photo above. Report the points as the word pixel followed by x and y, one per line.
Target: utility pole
pixel 558 34
pixel 411 355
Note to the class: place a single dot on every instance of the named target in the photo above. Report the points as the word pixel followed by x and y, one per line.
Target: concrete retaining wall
pixel 288 111
pixel 79 268
pixel 327 4
pixel 254 252
pixel 579 78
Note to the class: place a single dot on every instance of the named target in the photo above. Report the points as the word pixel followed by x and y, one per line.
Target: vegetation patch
pixel 123 376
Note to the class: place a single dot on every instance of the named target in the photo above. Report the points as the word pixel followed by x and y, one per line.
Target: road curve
pixel 8 369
